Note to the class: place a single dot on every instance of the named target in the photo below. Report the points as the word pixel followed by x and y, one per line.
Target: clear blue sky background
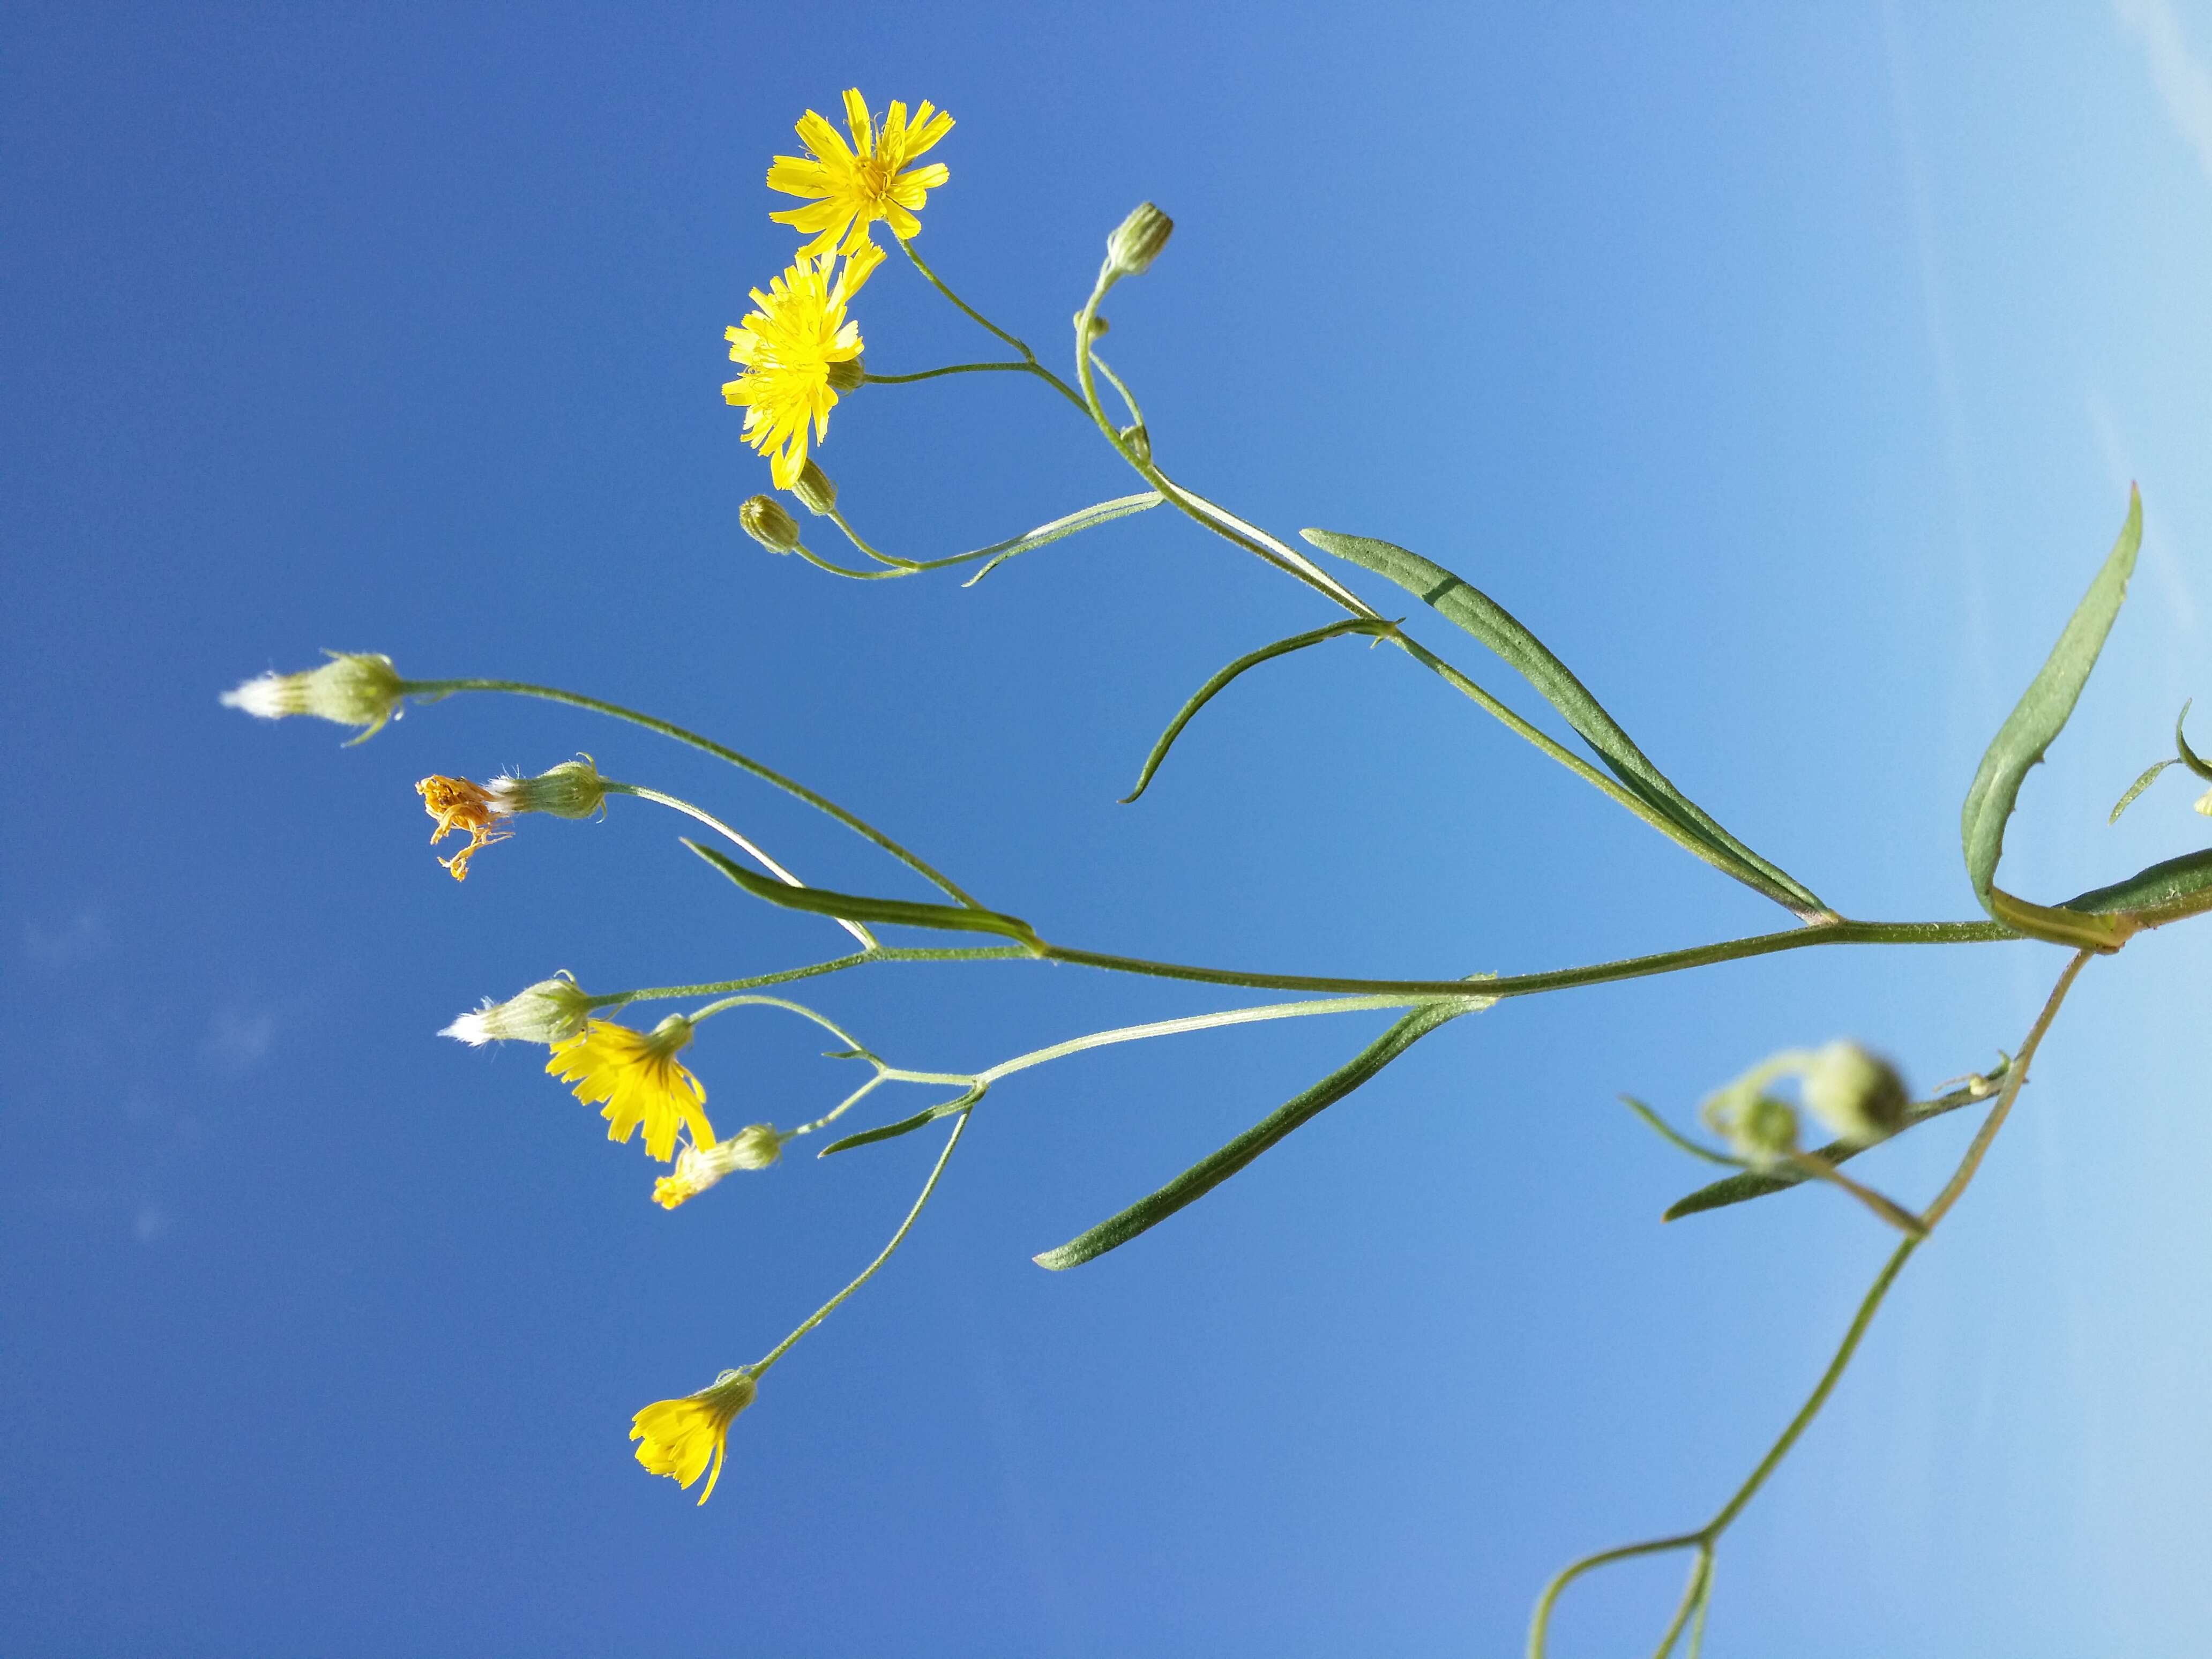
pixel 1785 367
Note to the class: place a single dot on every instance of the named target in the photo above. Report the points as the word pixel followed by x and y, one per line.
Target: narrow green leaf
pixel 1675 1137
pixel 1208 1173
pixel 2149 777
pixel 905 1125
pixel 2038 717
pixel 2189 757
pixel 854 906
pixel 1482 616
pixel 1252 659
pixel 2150 898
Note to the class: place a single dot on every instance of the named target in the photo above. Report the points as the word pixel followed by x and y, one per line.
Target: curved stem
pixel 867 939
pixel 1540 1623
pixel 760 1368
pixel 859 1048
pixel 433 688
pixel 2014 1076
pixel 1029 357
pixel 815 969
pixel 1192 1023
pixel 871 378
pixel 1867 1307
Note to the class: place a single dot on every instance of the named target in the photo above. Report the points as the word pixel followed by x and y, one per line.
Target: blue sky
pixel 1784 368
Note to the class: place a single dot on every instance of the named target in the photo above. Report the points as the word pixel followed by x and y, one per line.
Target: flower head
pixel 851 188
pixel 462 808
pixel 354 688
pixel 680 1437
pixel 638 1076
pixel 574 789
pixel 552 1010
pixel 697 1168
pixel 787 347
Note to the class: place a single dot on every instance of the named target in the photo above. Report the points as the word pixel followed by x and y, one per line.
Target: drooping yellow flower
pixel 638 1076
pixel 698 1167
pixel 463 808
pixel 796 349
pixel 852 188
pixel 680 1437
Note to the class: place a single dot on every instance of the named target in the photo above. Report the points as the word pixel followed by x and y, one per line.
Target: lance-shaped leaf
pixel 1205 692
pixel 1208 1173
pixel 1460 603
pixel 856 907
pixel 2038 717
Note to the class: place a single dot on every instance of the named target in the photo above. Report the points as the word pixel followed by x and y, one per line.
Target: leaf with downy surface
pixel 855 907
pixel 2038 718
pixel 1467 606
pixel 1208 1173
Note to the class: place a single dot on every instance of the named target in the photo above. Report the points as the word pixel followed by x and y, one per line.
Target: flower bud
pixel 846 375
pixel 1099 325
pixel 574 789
pixel 1137 242
pixel 1759 1128
pixel 552 1011
pixel 1857 1094
pixel 815 491
pixel 766 523
pixel 354 688
pixel 2204 803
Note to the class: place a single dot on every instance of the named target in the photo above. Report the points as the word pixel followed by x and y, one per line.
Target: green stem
pixel 1540 1623
pixel 873 379
pixel 2015 1076
pixel 1693 1599
pixel 760 1368
pixel 433 688
pixel 1561 979
pixel 1029 358
pixel 867 939
pixel 1191 1023
pixel 815 969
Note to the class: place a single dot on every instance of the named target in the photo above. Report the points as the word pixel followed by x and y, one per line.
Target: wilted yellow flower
pixel 680 1437
pixel 638 1076
pixel 854 187
pixel 462 808
pixel 699 1167
pixel 787 347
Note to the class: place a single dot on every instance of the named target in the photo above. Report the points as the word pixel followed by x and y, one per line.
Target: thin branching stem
pixel 435 689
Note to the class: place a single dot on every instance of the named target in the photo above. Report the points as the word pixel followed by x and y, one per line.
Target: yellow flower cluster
pixel 798 350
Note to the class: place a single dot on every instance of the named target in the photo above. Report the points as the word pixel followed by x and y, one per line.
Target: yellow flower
pixel 699 1167
pixel 680 1437
pixel 787 348
pixel 462 808
pixel 638 1076
pixel 852 188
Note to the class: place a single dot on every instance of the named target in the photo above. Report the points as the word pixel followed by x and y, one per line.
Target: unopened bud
pixel 1099 325
pixel 552 1011
pixel 1761 1128
pixel 846 375
pixel 2204 803
pixel 354 688
pixel 815 491
pixel 766 523
pixel 1137 242
pixel 1859 1096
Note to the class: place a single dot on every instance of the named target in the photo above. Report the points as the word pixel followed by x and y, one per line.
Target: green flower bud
pixel 815 491
pixel 766 523
pixel 1099 325
pixel 354 688
pixel 552 1011
pixel 846 375
pixel 1857 1094
pixel 1761 1129
pixel 1137 242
